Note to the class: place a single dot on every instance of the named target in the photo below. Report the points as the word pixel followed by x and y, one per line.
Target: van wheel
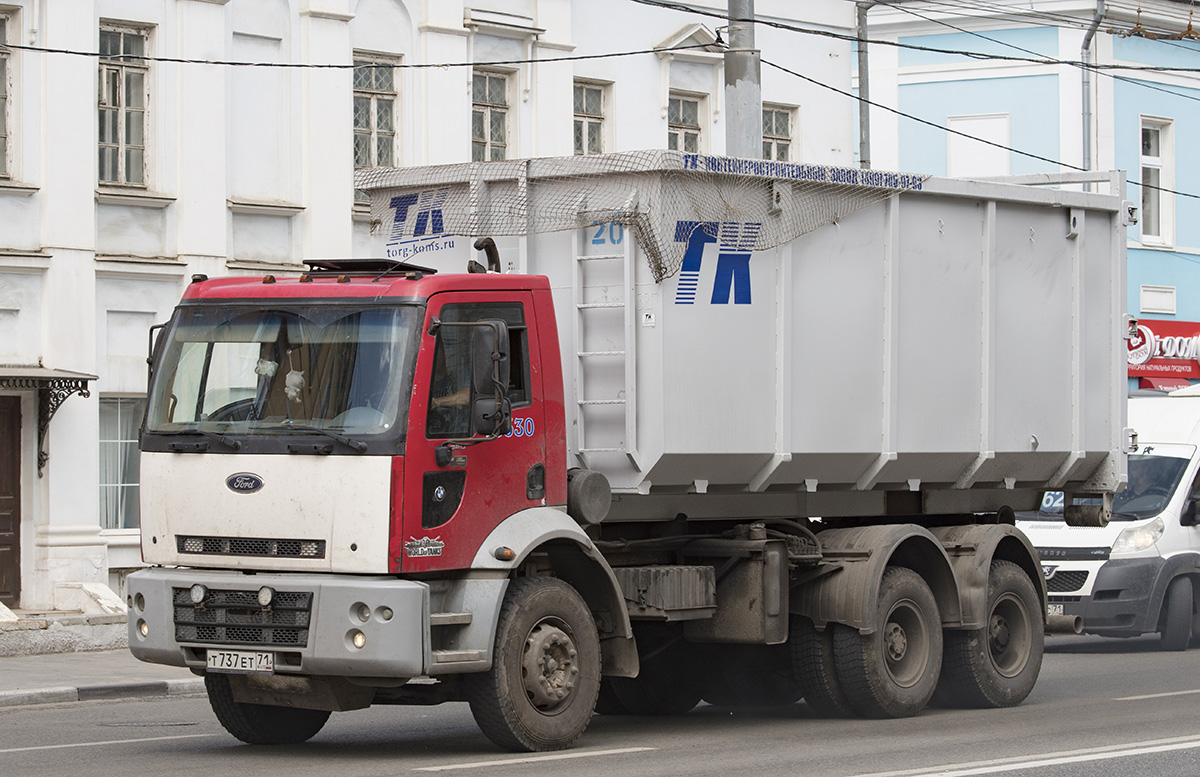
pixel 545 675
pixel 668 682
pixel 812 664
pixel 750 676
pixel 997 665
pixel 1177 615
pixel 261 724
pixel 892 672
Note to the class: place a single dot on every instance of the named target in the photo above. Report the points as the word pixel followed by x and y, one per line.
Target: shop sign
pixel 1165 349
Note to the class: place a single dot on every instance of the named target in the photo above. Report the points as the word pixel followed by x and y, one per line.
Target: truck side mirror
pixel 491 412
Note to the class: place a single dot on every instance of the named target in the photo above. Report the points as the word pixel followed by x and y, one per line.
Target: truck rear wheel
pixel 997 665
pixel 1176 628
pixel 812 664
pixel 892 672
pixel 261 724
pixel 545 675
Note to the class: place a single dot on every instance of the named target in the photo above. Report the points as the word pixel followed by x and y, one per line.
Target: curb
pixel 109 692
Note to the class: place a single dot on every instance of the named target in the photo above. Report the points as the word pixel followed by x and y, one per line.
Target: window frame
pixel 585 120
pixel 489 110
pixel 775 138
pixel 123 66
pixel 678 131
pixel 1164 164
pixel 374 95
pixel 6 18
pixel 138 403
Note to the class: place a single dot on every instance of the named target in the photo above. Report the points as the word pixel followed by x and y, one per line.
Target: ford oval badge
pixel 244 483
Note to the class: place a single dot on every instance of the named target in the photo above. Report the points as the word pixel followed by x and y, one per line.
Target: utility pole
pixel 743 86
pixel 864 85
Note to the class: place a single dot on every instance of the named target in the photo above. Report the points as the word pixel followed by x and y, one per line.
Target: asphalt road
pixel 1102 707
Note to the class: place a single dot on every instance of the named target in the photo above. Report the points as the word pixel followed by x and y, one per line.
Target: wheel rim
pixel 1009 635
pixel 905 641
pixel 549 666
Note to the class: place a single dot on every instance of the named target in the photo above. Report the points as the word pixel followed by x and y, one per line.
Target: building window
pixel 589 118
pixel 4 173
pixel 683 124
pixel 489 116
pixel 119 422
pixel 123 80
pixel 374 113
pixel 1157 180
pixel 777 133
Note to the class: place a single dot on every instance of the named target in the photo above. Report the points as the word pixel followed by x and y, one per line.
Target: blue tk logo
pixel 733 260
pixel 244 483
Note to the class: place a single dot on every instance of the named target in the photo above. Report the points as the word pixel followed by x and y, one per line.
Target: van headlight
pixel 1138 538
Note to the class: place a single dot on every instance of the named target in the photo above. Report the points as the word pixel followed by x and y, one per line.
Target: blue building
pixel 981 89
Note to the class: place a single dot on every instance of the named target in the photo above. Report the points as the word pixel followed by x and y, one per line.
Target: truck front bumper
pixel 1121 599
pixel 310 626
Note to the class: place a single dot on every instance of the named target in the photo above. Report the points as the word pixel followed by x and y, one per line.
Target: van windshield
pixel 238 371
pixel 1154 474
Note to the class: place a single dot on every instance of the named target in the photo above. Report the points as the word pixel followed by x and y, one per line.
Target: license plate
pixel 1054 609
pixel 241 662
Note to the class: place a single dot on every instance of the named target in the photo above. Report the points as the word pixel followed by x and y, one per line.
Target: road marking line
pixel 1155 695
pixel 97 744
pixel 533 759
pixel 1049 759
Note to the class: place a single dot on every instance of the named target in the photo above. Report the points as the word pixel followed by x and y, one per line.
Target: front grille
pixel 250 546
pixel 236 618
pixel 1067 581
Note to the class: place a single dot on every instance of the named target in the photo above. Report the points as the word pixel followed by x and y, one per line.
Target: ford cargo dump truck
pixel 700 429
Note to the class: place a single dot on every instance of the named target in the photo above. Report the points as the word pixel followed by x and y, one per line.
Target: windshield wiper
pixel 349 442
pixel 226 441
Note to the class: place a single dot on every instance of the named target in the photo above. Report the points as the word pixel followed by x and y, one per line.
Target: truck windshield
pixel 234 371
pixel 1154 474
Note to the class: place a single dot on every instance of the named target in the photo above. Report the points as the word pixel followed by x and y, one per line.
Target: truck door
pixel 449 510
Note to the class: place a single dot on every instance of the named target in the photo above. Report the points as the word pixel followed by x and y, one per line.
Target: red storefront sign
pixel 1165 349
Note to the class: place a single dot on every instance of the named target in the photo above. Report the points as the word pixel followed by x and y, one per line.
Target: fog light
pixel 143 628
pixel 358 639
pixel 386 613
pixel 198 593
pixel 364 613
pixel 266 595
pixel 139 602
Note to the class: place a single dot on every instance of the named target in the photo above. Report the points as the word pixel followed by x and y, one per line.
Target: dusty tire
pixel 892 672
pixel 261 724
pixel 1176 630
pixel 750 676
pixel 668 681
pixel 812 665
pixel 997 665
pixel 541 690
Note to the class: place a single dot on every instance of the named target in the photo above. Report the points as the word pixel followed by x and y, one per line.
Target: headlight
pixel 198 594
pixel 266 595
pixel 1137 538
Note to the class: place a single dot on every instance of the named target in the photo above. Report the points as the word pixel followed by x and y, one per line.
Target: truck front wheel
pixel 892 672
pixel 545 675
pixel 261 724
pixel 997 665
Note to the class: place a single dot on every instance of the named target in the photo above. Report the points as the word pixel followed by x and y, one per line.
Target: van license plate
pixel 1054 609
pixel 241 662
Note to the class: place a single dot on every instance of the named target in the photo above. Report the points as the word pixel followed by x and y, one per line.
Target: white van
pixel 1139 574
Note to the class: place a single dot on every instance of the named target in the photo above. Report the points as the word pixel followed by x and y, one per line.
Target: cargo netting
pixel 660 196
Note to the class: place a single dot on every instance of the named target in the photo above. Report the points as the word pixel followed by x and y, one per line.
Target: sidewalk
pixel 105 674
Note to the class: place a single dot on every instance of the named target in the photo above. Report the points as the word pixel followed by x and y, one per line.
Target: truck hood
pixel 266 512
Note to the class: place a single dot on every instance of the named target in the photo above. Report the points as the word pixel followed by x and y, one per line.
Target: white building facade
pixel 144 141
